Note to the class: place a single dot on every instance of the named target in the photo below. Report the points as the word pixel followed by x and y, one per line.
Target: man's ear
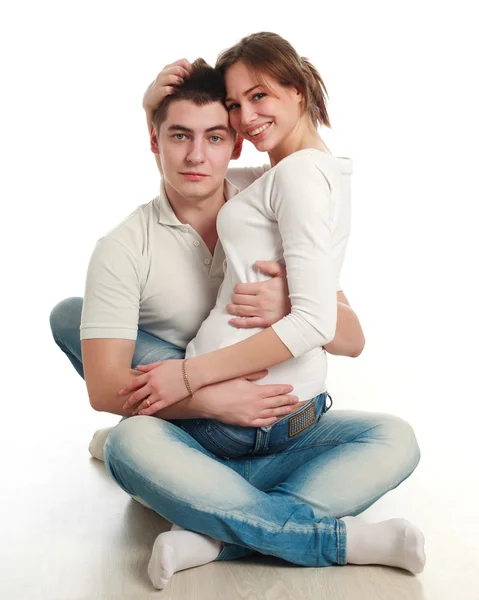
pixel 237 148
pixel 154 147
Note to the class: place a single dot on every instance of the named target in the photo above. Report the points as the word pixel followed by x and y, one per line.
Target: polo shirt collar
pixel 166 215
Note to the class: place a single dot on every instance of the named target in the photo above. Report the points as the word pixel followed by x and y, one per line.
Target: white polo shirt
pixel 155 273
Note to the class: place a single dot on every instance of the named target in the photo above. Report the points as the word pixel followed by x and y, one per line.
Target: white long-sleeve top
pixel 291 214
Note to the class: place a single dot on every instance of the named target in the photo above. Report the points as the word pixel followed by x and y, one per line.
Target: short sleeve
pixel 112 293
pixel 301 201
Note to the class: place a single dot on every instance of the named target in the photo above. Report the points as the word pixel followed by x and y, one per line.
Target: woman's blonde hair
pixel 270 54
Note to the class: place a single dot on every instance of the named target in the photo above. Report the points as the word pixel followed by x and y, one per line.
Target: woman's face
pixel 267 117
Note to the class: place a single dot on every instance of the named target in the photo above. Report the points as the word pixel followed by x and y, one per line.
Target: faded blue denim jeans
pixel 287 504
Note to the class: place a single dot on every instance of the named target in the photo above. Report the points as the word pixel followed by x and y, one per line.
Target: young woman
pixel 292 215
pixel 275 100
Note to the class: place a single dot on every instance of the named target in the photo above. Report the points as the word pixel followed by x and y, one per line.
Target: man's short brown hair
pixel 204 86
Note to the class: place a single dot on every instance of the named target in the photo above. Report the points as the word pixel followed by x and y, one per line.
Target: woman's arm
pixel 165 84
pixel 264 303
pixel 301 203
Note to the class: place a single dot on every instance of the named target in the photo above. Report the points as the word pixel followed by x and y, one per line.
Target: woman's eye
pixel 258 96
pixel 232 107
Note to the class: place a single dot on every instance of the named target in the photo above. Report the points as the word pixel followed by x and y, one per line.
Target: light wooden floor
pixel 69 533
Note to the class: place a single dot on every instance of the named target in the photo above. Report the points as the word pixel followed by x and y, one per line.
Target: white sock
pixel 395 542
pixel 97 443
pixel 177 550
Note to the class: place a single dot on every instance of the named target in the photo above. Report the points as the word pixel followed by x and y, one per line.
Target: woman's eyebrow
pixel 245 93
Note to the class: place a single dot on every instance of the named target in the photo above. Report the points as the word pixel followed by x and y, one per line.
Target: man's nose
pixel 196 152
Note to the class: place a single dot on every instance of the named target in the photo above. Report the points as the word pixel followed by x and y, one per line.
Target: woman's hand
pixel 264 303
pixel 165 84
pixel 241 402
pixel 161 385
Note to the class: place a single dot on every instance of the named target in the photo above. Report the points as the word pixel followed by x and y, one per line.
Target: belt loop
pixel 261 441
pixel 328 407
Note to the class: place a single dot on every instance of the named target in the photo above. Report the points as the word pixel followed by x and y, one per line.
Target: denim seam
pixel 287 451
pixel 327 443
pixel 273 455
pixel 341 538
pixel 240 517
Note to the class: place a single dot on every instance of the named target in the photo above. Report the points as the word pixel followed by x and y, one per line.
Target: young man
pixel 159 271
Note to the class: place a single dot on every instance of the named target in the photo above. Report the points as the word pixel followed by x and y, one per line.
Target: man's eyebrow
pixel 179 128
pixel 175 127
pixel 245 93
pixel 218 127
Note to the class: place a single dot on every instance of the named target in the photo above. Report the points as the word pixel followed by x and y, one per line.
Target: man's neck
pixel 200 213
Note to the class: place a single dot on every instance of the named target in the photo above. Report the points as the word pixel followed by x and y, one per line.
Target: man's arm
pixel 106 364
pixel 262 304
pixel 349 338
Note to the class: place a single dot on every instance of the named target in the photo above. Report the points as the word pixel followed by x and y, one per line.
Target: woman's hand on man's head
pixel 165 84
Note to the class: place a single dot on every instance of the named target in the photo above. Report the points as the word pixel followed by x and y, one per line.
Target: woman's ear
pixel 299 96
pixel 237 148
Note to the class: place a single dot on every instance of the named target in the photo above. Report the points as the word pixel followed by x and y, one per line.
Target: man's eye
pixel 258 96
pixel 179 136
pixel 215 139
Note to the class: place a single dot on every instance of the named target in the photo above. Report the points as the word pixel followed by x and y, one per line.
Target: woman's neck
pixel 303 136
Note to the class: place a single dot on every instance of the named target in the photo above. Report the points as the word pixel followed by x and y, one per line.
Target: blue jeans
pixel 234 441
pixel 287 504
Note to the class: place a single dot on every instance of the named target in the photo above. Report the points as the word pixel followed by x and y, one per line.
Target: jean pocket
pixel 213 439
pixel 234 441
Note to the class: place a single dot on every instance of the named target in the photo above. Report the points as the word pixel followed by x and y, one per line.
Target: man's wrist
pixel 206 411
pixel 188 408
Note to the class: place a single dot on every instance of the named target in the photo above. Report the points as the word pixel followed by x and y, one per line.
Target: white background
pixel 402 81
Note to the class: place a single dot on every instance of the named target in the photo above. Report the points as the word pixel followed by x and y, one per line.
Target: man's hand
pixel 165 84
pixel 264 303
pixel 241 402
pixel 161 385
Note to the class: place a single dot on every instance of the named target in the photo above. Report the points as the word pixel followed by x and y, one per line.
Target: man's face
pixel 195 146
